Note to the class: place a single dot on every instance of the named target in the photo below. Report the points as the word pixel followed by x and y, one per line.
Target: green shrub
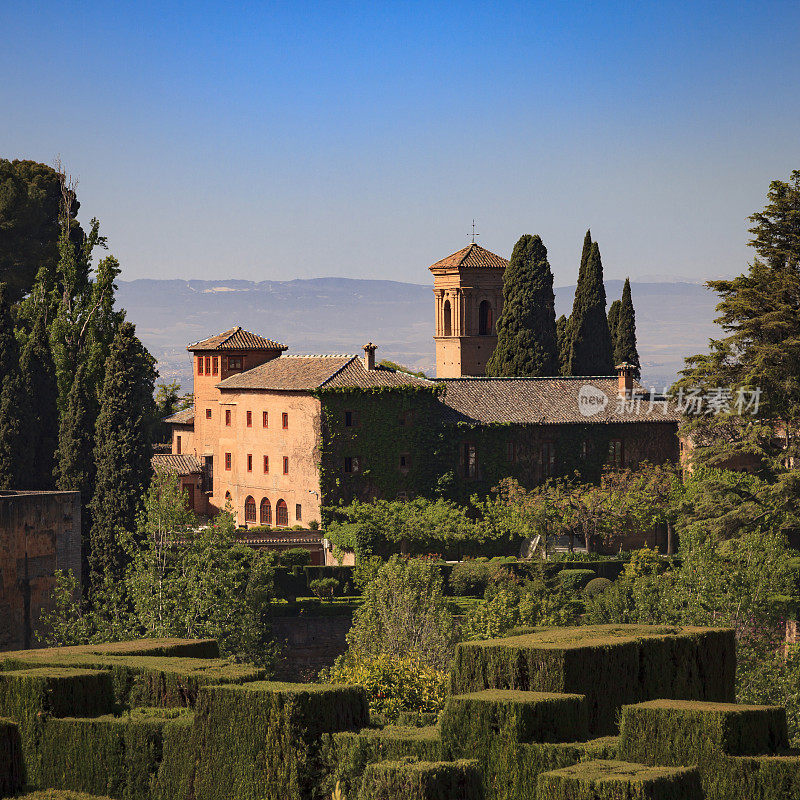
pixel 422 780
pixel 597 586
pixel 324 588
pixel 611 665
pixel 12 772
pixel 471 721
pixel 261 740
pixel 749 777
pixel 114 756
pixel 295 557
pixel 393 685
pixel 618 780
pixel 469 578
pixel 57 794
pixel 417 719
pixel 175 778
pixel 31 696
pixel 574 580
pixel 345 755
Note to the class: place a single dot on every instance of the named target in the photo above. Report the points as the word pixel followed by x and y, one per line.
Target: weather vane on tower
pixel 473 232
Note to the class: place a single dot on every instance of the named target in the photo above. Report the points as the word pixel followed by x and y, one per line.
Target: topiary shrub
pixel 422 780
pixel 12 771
pixel 596 586
pixel 591 780
pixel 574 580
pixel 324 588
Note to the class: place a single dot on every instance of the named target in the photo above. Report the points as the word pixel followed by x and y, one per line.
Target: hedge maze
pixel 591 713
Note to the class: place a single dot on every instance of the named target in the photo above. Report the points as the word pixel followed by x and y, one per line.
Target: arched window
pixel 249 509
pixel 227 497
pixel 281 513
pixel 485 321
pixel 266 512
pixel 448 328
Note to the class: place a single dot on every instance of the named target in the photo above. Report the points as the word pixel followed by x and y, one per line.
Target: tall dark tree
pixel 760 355
pixel 10 395
pixel 564 341
pixel 30 198
pixel 526 330
pixel 591 352
pixel 613 319
pixel 38 411
pixel 624 332
pixel 122 451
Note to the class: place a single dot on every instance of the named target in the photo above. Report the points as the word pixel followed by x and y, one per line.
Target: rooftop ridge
pixel 337 371
pixel 320 355
pixel 528 378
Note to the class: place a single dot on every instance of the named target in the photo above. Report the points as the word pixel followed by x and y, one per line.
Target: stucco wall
pixel 40 532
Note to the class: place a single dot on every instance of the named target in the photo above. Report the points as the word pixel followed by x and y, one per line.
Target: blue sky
pixel 284 140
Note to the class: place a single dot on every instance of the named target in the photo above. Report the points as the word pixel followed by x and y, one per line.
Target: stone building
pixel 280 436
pixel 40 532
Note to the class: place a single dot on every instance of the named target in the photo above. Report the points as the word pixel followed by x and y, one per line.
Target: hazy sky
pixel 283 140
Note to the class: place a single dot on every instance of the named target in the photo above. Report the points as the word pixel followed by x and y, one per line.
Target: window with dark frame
pixel 199 365
pixel 208 413
pixel 351 464
pixel 265 515
pixel 548 459
pixel 469 460
pixel 286 465
pixel 249 419
pixel 616 454
pixel 215 366
pixel 228 460
pixel 208 365
pixel 249 462
pixel 227 417
pixel 178 444
pixel 349 419
pixel 266 464
pixel 298 512
pixel 249 509
pixel 281 513
pixel 285 420
pixel 511 451
pixel 234 363
pixel 265 420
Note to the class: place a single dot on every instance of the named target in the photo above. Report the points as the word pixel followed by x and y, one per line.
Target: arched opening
pixel 265 515
pixel 249 509
pixel 281 513
pixel 485 321
pixel 448 327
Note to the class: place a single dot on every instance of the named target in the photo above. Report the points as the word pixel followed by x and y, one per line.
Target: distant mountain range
pixel 339 315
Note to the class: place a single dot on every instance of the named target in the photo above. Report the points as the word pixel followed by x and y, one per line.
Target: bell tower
pixel 468 287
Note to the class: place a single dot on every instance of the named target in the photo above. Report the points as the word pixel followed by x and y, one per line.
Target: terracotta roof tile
pixel 472 255
pixel 236 339
pixel 548 401
pixel 180 464
pixel 306 373
pixel 185 417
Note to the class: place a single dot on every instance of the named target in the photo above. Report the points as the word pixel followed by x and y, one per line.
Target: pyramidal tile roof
pixel 473 255
pixel 237 339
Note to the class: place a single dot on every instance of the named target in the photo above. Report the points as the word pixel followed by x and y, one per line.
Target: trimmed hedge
pixel 470 722
pixel 30 696
pixel 114 756
pixel 176 648
pixel 612 665
pixel 680 732
pixel 618 780
pixel 261 740
pixel 345 755
pixel 575 580
pixel 422 780
pixel 11 766
pixel 175 779
pixel 750 777
pixel 57 794
pixel 417 719
pixel 167 681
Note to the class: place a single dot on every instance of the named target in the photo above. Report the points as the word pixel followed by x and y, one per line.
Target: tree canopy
pixel 526 330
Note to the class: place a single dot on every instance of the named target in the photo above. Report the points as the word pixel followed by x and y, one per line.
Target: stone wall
pixel 40 532
pixel 309 643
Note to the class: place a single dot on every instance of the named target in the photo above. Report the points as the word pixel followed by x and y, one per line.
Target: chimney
pixel 369 355
pixel 625 379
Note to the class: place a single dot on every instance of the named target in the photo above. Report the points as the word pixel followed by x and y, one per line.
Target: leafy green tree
pixel 526 330
pixel 10 395
pixel 122 450
pixel 404 614
pixel 613 321
pixel 760 352
pixel 590 352
pixel 624 335
pixel 564 338
pixel 31 196
pixel 169 401
pixel 38 411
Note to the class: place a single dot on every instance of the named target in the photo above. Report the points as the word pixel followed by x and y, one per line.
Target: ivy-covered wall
pixel 372 429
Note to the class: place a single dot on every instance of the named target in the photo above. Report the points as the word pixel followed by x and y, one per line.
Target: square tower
pixel 468 287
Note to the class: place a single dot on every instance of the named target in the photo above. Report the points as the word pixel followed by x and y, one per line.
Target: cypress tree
pixel 526 330
pixel 38 410
pixel 591 352
pixel 10 399
pixel 563 337
pixel 624 332
pixel 122 451
pixel 613 319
